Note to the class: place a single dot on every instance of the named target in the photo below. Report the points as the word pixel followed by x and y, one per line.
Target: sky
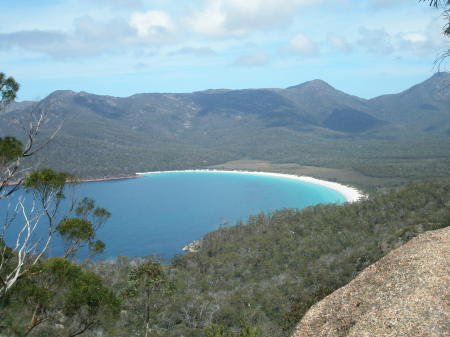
pixel 121 47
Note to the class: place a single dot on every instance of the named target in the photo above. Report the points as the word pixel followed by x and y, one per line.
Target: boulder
pixel 406 293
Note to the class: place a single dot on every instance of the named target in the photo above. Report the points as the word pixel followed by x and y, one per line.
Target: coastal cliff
pixel 404 294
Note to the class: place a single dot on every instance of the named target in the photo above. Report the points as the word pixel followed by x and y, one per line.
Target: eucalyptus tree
pixel 39 294
pixel 146 283
pixel 26 250
pixel 12 150
pixel 58 298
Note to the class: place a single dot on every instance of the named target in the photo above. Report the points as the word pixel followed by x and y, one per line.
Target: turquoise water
pixel 158 214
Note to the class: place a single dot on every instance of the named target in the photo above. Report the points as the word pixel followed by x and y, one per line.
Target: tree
pixel 58 298
pixel 47 190
pixel 437 3
pixel 76 226
pixel 80 232
pixel 145 281
pixel 8 89
pixel 12 150
pixel 38 292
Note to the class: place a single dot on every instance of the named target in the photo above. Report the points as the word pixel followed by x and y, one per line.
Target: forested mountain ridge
pixel 309 124
pixel 311 104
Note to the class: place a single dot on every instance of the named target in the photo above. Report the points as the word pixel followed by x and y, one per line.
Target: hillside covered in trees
pixel 254 279
pixel 399 137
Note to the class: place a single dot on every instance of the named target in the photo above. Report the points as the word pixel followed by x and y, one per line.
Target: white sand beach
pixel 351 194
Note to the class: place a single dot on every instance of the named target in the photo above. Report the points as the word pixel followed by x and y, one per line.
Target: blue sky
pixel 121 47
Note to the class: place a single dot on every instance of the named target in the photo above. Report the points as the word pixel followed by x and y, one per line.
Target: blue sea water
pixel 158 214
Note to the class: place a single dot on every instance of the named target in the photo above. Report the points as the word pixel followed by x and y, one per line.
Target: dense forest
pixel 254 279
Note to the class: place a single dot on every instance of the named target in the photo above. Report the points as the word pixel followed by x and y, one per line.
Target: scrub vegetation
pixel 265 273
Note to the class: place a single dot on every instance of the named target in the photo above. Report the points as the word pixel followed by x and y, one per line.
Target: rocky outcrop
pixel 193 247
pixel 407 293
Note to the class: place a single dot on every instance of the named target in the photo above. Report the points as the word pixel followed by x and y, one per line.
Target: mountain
pixel 423 108
pixel 403 294
pixel 310 124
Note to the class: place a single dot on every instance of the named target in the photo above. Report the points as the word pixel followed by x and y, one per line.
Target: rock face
pixel 407 293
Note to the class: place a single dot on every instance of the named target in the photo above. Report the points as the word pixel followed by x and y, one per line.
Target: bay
pixel 158 214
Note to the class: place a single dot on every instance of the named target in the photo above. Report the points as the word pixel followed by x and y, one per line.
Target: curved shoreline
pixel 351 194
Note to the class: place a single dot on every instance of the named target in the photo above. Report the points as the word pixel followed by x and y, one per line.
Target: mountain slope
pixel 424 107
pixel 309 124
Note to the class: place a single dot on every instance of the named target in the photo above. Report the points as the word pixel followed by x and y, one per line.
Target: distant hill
pixel 311 123
pixel 423 108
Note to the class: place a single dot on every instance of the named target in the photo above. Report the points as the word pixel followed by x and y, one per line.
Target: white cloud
pixel 252 60
pixel 428 41
pixel 211 21
pixel 90 37
pixel 420 43
pixel 152 24
pixel 195 51
pixel 387 3
pixel 375 41
pixel 338 43
pixel 234 18
pixel 122 3
pixel 303 45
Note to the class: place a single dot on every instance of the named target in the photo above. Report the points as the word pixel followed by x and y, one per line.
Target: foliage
pixel 148 132
pixel 146 281
pixel 57 295
pixel 46 182
pixel 437 3
pixel 41 296
pixel 80 232
pixel 8 89
pixel 75 229
pixel 10 149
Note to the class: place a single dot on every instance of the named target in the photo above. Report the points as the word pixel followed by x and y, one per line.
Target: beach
pixel 350 194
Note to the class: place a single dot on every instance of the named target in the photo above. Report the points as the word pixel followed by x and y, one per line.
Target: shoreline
pixel 350 194
pixel 86 180
pixel 90 180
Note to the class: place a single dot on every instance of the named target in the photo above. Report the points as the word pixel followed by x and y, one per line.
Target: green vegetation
pixel 267 272
pixel 57 298
pixel 41 296
pixel 8 89
pixel 109 136
pixel 255 279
